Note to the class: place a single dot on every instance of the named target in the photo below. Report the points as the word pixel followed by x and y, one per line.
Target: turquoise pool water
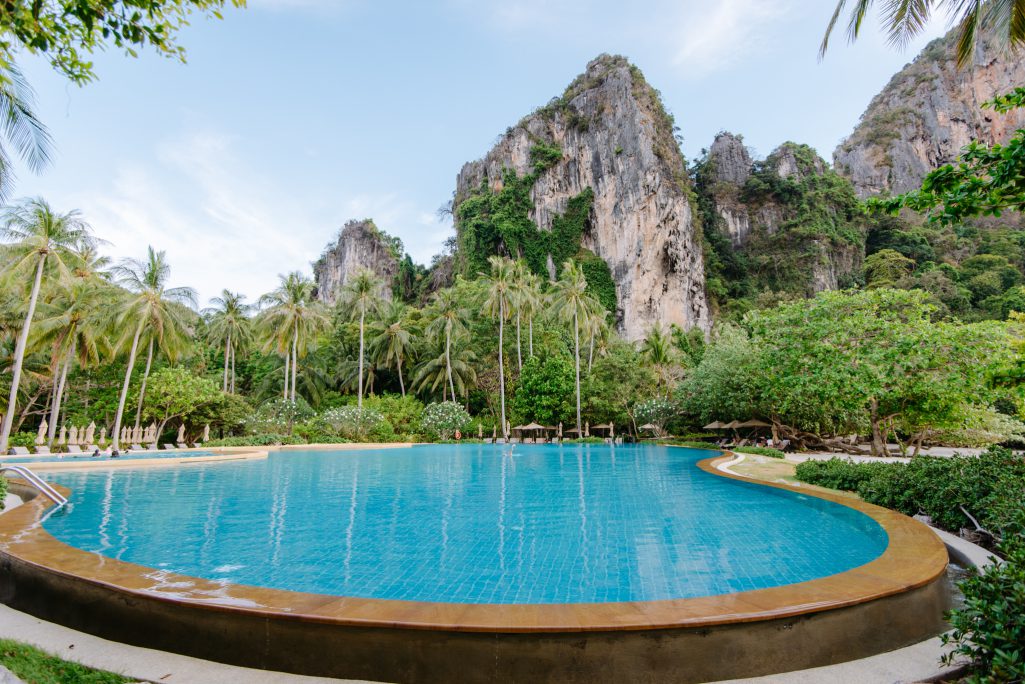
pixel 88 457
pixel 467 524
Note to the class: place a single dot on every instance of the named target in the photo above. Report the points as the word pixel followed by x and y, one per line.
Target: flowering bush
pixel 279 416
pixel 353 422
pixel 658 412
pixel 443 419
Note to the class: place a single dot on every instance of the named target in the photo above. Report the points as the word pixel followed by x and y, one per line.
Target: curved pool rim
pixel 914 557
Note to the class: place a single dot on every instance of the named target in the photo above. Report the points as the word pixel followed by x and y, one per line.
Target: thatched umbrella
pixel 532 427
pixel 41 437
pixel 753 423
pixel 714 425
pixel 480 430
pixel 63 435
pixel 206 432
pixel 90 433
pixel 181 433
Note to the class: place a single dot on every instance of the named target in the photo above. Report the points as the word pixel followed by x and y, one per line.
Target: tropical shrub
pixel 353 422
pixel 266 439
pixel 442 419
pixel 22 439
pixel 403 413
pixel 760 451
pixel 837 473
pixel 656 411
pixel 3 491
pixel 279 416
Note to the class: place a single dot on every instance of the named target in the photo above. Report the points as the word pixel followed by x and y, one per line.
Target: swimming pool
pixel 89 458
pixel 476 524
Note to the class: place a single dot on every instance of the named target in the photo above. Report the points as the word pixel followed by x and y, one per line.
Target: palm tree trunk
pixel 227 350
pixel 402 385
pixel 288 360
pixel 359 398
pixel 519 356
pixel 115 437
pixel 145 378
pixel 232 369
pixel 19 357
pixel 55 410
pixel 295 358
pixel 590 354
pixel 530 335
pixel 448 362
pixel 576 352
pixel 501 364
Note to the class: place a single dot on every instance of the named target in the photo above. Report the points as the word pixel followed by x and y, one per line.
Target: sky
pixel 294 116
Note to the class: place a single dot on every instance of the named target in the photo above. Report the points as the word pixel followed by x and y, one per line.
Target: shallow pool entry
pixel 468 524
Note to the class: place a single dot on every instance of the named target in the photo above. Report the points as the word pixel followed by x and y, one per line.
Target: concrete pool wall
pixel 893 601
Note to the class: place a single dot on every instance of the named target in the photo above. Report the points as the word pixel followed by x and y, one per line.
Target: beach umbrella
pixel 206 432
pixel 612 429
pixel 90 433
pixel 560 428
pixel 63 435
pixel 181 433
pixel 480 430
pixel 41 437
pixel 732 425
pixel 73 436
pixel 752 423
pixel 714 425
pixel 103 435
pixel 648 426
pixel 587 429
pixel 494 432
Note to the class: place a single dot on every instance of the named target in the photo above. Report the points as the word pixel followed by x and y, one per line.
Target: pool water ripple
pixel 467 524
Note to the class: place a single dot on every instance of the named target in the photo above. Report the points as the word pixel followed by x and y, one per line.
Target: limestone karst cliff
pixel 360 245
pixel 785 224
pixel 595 175
pixel 926 114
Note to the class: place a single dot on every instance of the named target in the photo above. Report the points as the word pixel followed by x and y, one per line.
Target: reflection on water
pixel 469 523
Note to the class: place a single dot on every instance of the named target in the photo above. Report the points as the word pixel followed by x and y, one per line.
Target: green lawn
pixel 38 667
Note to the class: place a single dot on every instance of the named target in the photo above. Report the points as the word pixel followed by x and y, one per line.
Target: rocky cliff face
pixel 608 133
pixel 926 114
pixel 361 245
pixel 793 221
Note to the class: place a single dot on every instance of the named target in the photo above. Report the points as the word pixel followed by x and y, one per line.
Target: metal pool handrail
pixel 37 482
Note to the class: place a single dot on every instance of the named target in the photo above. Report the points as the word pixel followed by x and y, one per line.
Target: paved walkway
pixel 132 661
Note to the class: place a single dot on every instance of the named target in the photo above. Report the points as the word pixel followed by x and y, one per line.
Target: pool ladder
pixel 38 483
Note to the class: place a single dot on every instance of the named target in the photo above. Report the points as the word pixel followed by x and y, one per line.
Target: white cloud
pixel 715 36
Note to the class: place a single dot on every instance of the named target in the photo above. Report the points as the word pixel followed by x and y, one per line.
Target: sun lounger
pixel 43 450
pixel 169 447
pixel 92 448
pixel 19 451
pixel 152 447
pixel 183 445
pixel 74 449
pixel 136 447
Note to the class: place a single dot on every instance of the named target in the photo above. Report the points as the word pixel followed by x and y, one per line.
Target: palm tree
pixel 393 342
pixel 658 348
pixel 21 127
pixel 38 236
pixel 530 299
pixel 169 325
pixel 905 19
pixel 500 291
pixel 597 332
pixel 448 367
pixel 163 313
pixel 73 324
pixel 448 318
pixel 291 321
pixel 571 304
pixel 362 294
pixel 229 322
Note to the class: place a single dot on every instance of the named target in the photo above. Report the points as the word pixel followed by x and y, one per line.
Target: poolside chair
pixel 92 448
pixel 19 451
pixel 182 445
pixel 74 449
pixel 152 447
pixel 169 447
pixel 136 447
pixel 43 450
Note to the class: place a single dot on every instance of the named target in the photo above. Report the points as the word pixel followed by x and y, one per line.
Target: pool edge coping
pixel 914 557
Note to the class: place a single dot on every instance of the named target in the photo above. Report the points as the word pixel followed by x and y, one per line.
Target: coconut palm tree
pixel 230 324
pixel 163 314
pixel 660 352
pixel 73 325
pixel 448 318
pixel 291 320
pixel 597 330
pixel 571 304
pixel 448 367
pixel 36 237
pixel 529 299
pixel 392 343
pixel 360 296
pixel 20 127
pixel 905 19
pixel 501 286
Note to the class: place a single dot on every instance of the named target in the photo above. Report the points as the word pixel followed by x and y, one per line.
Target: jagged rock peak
pixel 613 138
pixel 730 159
pixel 360 245
pixel 927 113
pixel 788 161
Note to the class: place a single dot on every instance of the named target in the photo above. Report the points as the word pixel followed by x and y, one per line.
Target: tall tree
pixel 163 313
pixel 36 237
pixel 360 296
pixel 571 304
pixel 659 351
pixel 291 320
pixel 392 344
pixel 903 20
pixel 501 284
pixel 448 318
pixel 229 323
